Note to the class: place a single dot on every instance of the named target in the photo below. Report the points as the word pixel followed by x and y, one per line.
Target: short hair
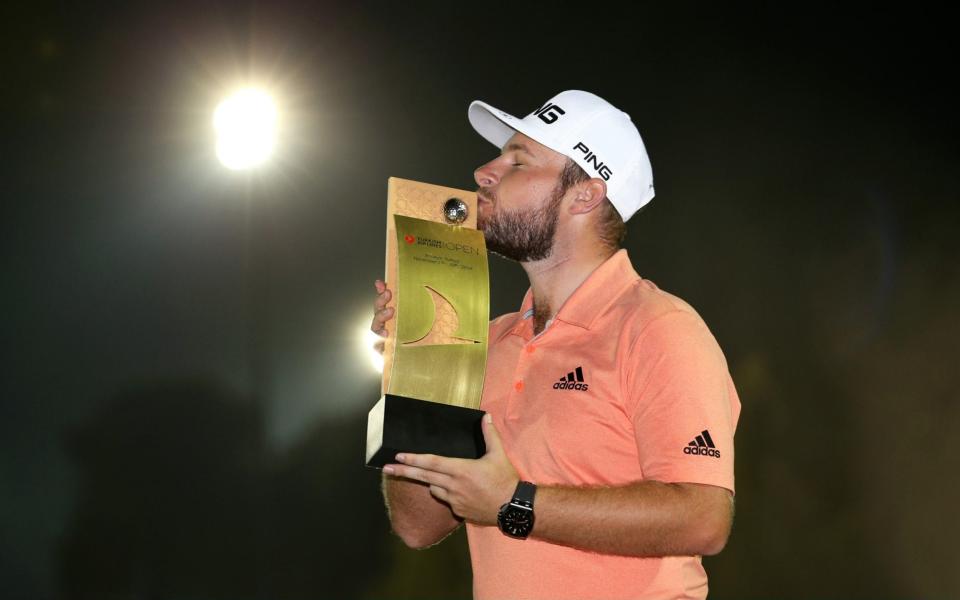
pixel 610 226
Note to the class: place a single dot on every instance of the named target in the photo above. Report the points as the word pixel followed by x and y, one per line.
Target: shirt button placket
pixel 518 378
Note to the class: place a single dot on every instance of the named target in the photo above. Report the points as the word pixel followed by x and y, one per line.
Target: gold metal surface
pixel 423 201
pixel 443 313
pixel 442 351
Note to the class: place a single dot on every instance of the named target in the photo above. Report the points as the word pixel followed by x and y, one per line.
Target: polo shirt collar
pixel 591 299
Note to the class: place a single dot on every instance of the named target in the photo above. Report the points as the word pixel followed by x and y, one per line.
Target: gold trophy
pixel 434 361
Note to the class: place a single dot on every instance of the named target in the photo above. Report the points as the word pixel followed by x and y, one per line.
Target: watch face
pixel 516 521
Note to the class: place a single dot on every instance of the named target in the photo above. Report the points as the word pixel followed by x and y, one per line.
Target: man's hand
pixel 381 314
pixel 474 489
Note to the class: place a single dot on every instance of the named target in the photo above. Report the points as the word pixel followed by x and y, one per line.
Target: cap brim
pixel 497 126
pixel 493 124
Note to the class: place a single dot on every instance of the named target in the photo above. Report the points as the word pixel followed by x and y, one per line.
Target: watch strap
pixel 524 493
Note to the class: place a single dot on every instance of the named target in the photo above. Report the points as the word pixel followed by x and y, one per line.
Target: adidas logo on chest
pixel 572 381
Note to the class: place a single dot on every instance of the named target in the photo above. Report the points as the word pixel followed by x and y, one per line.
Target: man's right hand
pixel 381 313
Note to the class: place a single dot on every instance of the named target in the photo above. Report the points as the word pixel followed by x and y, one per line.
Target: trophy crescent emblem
pixel 445 324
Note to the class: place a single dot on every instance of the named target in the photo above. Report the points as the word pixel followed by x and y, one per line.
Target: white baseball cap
pixel 586 128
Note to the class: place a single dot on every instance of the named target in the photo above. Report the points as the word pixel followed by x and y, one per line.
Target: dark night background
pixel 184 383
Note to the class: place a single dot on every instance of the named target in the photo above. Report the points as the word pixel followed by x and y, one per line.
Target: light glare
pixel 246 129
pixel 370 340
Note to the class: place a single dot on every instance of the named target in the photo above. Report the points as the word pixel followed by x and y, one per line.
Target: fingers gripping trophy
pixel 438 293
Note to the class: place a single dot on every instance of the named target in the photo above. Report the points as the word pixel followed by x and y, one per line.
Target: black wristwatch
pixel 516 517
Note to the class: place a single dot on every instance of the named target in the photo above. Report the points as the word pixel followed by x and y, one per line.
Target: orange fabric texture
pixel 625 384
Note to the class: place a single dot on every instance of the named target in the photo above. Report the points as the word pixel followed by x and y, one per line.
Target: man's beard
pixel 523 235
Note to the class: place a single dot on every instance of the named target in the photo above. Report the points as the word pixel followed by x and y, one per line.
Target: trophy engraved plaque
pixel 435 355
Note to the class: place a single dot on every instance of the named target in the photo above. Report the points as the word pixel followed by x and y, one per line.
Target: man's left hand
pixel 474 489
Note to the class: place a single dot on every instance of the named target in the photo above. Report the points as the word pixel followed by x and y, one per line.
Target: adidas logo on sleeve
pixel 702 445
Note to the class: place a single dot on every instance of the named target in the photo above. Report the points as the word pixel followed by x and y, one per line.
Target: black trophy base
pixel 399 424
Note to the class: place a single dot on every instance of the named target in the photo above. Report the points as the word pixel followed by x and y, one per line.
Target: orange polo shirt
pixel 625 384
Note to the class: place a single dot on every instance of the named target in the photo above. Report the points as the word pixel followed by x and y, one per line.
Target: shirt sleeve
pixel 682 402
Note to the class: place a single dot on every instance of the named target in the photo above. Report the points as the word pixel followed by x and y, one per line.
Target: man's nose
pixel 486 175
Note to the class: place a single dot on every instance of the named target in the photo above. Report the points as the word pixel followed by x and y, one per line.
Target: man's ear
pixel 590 194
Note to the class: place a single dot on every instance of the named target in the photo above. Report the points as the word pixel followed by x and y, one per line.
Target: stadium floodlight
pixel 246 126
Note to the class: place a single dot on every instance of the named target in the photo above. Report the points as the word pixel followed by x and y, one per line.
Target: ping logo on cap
pixel 549 113
pixel 591 159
